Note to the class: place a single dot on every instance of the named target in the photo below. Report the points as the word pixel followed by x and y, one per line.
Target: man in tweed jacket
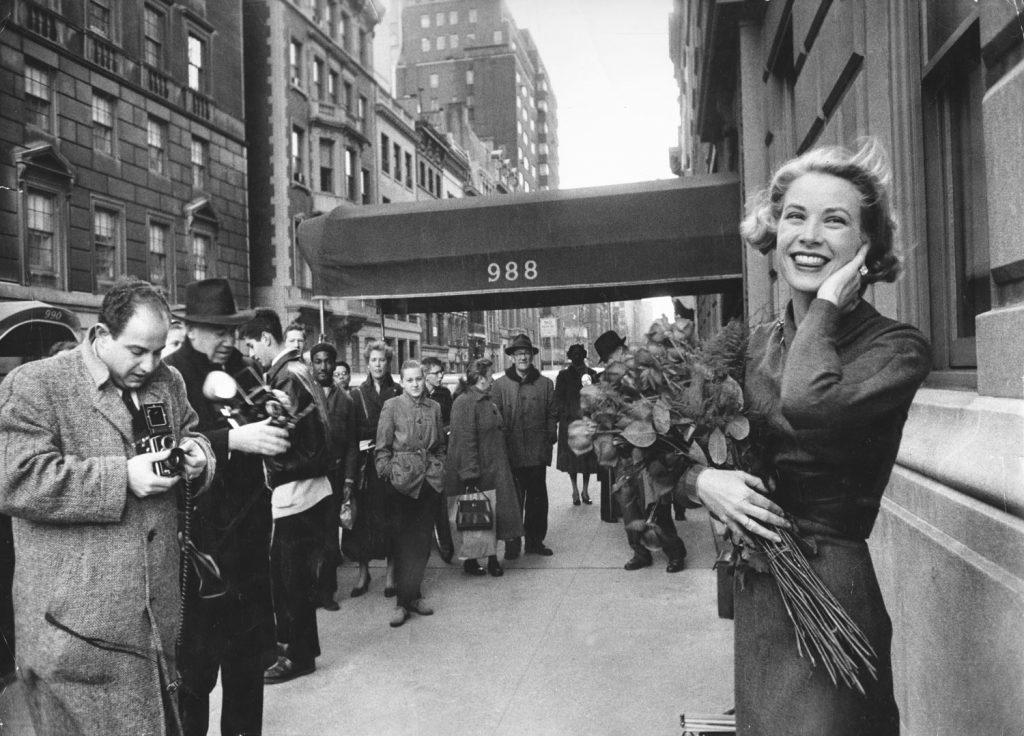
pixel 95 527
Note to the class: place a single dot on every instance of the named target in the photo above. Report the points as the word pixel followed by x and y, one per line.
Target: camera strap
pixel 139 428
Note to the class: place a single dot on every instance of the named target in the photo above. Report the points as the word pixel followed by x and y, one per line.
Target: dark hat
pixel 607 343
pixel 209 302
pixel 521 342
pixel 324 347
pixel 576 349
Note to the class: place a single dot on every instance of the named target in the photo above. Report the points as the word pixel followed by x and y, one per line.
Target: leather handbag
pixel 347 513
pixel 474 513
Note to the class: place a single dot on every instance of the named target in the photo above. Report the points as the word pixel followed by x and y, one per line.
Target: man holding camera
pixel 233 632
pixel 301 497
pixel 95 517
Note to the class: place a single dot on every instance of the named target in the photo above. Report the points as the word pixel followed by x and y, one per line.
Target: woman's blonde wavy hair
pixel 868 170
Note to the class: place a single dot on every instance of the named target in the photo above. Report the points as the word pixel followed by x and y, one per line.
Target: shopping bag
pixel 470 544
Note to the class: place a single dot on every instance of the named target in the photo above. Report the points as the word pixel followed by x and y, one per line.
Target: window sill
pixel 962 379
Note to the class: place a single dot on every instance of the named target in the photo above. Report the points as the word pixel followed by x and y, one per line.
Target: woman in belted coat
pixel 478 458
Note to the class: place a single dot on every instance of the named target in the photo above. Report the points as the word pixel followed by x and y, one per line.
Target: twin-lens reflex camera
pixel 160 438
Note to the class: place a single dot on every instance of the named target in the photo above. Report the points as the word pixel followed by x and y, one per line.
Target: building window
pixel 440 43
pixel 332 87
pixel 108 246
pixel 385 148
pixel 365 183
pixel 295 63
pixel 201 251
pixel 153 32
pixel 361 113
pixel 472 15
pixel 159 256
pixel 197 64
pixel 350 98
pixel 422 178
pixel 955 194
pixel 297 147
pixel 425 20
pixel 38 97
pixel 102 123
pixel 326 165
pixel 469 76
pixel 156 134
pixel 44 240
pixel 318 79
pixel 364 48
pixel 499 37
pixel 453 17
pixel 343 24
pixel 434 104
pixel 470 39
pixel 351 183
pixel 408 170
pixel 398 162
pixel 100 17
pixel 453 41
pixel 435 81
pixel 200 157
pixel 439 20
pixel 424 45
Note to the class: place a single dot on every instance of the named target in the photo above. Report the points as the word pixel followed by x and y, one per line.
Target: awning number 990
pixel 511 273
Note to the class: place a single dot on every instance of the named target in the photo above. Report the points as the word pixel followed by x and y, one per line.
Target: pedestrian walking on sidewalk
pixel 568 385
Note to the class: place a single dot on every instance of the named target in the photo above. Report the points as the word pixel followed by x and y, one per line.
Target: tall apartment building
pixel 472 52
pixel 122 149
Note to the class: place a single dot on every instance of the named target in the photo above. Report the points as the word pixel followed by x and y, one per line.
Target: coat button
pixel 151 536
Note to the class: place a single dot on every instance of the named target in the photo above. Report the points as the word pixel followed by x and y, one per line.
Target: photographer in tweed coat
pixel 95 526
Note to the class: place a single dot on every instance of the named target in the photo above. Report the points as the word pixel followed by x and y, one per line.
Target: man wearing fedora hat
pixel 233 633
pixel 526 400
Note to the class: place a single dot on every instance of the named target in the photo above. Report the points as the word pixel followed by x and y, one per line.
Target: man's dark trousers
pixel 296 550
pixel 532 486
pixel 672 545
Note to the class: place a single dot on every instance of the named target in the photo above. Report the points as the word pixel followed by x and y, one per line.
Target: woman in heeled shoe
pixel 568 385
pixel 478 459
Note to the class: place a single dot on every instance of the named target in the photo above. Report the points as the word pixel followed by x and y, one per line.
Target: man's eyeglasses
pixel 436 373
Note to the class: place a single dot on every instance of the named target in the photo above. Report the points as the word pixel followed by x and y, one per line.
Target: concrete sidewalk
pixel 562 645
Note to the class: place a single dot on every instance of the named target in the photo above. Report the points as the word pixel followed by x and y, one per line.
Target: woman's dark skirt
pixel 376 519
pixel 777 691
pixel 568 461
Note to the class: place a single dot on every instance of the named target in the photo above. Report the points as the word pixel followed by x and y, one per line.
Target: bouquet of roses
pixel 676 403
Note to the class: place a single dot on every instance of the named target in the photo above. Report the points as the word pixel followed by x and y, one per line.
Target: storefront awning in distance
pixel 574 246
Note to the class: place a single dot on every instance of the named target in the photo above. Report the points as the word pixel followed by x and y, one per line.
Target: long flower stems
pixel 824 630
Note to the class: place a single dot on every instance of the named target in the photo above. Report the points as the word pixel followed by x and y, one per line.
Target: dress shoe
pixel 420 606
pixel 390 591
pixel 494 568
pixel 586 499
pixel 539 549
pixel 328 603
pixel 399 617
pixel 446 553
pixel 472 567
pixel 575 498
pixel 638 561
pixel 285 669
pixel 361 589
pixel 676 565
pixel 512 549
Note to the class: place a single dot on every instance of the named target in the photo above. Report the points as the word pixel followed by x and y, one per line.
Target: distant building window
pixel 100 17
pixel 318 79
pixel 343 26
pixel 202 245
pixel 332 87
pixel 197 64
pixel 499 37
pixel 424 45
pixel 295 63
pixel 364 48
pixel 156 136
pixel 153 31
pixel 361 113
pixel 472 15
pixel 350 98
pixel 351 183
pixel 453 17
pixel 397 152
pixel 434 104
pixel 200 158
pixel 470 39
pixel 44 239
pixel 439 19
pixel 38 97
pixel 440 43
pixel 453 41
pixel 107 238
pixel 469 76
pixel 425 20
pixel 385 150
pixel 408 170
pixel 159 250
pixel 435 80
pixel 326 165
pixel 365 183
pixel 103 123
pixel 298 145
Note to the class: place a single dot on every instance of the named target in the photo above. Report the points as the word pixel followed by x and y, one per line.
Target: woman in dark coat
pixel 376 512
pixel 832 381
pixel 478 458
pixel 568 384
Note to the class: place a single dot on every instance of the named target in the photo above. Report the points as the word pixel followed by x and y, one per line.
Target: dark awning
pixel 29 328
pixel 676 237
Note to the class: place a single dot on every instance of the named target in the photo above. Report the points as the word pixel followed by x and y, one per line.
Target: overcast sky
pixel 609 68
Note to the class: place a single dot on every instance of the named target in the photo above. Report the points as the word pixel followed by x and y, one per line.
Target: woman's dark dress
pixel 835 396
pixel 568 384
pixel 376 501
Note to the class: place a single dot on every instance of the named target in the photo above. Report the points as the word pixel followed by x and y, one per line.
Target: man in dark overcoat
pixel 232 633
pixel 96 595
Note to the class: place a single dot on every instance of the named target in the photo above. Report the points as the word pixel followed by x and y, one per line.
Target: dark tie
pixel 139 429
